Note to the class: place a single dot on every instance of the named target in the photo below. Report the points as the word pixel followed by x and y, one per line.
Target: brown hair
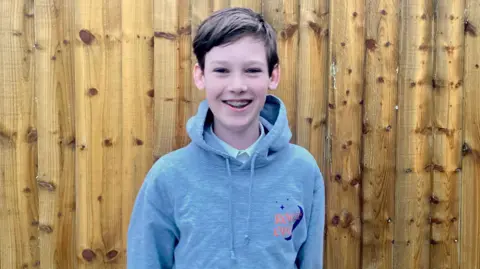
pixel 229 25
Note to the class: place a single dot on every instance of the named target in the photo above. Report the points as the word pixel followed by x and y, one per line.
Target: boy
pixel 239 195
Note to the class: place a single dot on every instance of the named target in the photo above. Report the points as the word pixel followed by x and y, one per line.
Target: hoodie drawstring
pixel 252 173
pixel 232 251
pixel 232 231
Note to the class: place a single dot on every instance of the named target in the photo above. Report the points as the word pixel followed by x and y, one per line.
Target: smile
pixel 237 104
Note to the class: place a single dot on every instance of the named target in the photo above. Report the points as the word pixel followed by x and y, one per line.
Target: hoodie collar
pixel 237 153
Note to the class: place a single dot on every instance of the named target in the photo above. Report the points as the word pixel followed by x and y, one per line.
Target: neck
pixel 241 139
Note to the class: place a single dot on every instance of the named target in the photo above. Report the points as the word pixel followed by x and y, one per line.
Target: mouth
pixel 238 104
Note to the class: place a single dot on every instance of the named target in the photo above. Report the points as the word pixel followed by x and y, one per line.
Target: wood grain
pixel 56 131
pixel 312 86
pixel 312 67
pixel 470 200
pixel 284 18
pixel 447 133
pixel 137 111
pixel 379 132
pixel 384 94
pixel 347 51
pixel 414 137
pixel 255 5
pixel 172 67
pixel 217 4
pixel 18 137
pixel 99 134
pixel 200 11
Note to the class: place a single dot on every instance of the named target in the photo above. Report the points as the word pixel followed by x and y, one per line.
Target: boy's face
pixel 236 82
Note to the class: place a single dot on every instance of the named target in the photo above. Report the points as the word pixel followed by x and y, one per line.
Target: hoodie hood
pixel 273 117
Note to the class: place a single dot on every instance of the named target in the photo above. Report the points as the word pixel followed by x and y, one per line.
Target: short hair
pixel 231 24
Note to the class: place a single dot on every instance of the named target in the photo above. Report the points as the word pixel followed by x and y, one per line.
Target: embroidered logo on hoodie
pixel 285 223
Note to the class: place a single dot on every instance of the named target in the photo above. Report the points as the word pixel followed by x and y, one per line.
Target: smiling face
pixel 236 82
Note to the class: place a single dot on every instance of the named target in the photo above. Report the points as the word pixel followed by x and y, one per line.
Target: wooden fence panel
pixel 470 199
pixel 379 133
pixel 384 94
pixel 56 131
pixel 414 137
pixel 345 102
pixel 447 133
pixel 18 137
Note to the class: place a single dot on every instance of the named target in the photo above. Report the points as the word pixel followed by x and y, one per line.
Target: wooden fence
pixel 384 93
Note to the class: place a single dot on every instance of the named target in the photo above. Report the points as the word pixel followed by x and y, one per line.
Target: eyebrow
pixel 226 62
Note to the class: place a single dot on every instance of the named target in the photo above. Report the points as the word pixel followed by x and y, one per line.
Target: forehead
pixel 246 49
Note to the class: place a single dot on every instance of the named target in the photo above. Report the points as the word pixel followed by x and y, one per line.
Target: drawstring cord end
pixel 232 254
pixel 247 239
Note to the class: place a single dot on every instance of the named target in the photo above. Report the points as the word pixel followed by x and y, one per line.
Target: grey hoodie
pixel 200 208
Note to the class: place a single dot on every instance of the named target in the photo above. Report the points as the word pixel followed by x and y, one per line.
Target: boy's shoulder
pixel 305 161
pixel 301 154
pixel 167 165
pixel 176 155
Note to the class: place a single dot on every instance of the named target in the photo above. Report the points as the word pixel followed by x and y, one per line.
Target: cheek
pixel 260 86
pixel 214 83
pixel 213 87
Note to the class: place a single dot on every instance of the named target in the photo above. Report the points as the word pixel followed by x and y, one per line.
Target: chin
pixel 237 125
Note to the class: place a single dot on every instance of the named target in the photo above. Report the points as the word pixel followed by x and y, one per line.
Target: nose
pixel 237 83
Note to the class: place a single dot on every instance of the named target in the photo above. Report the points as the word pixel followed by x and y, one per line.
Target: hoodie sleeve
pixel 152 234
pixel 310 255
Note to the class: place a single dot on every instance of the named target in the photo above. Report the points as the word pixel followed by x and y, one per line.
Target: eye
pixel 220 70
pixel 254 70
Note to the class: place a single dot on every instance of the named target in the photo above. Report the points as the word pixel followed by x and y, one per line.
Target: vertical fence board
pixel 98 49
pixel 56 143
pixel 255 5
pixel 311 94
pixel 200 11
pixel 137 104
pixel 172 74
pixel 447 134
pixel 414 137
pixel 312 67
pixel 218 4
pixel 64 68
pixel 470 199
pixel 379 129
pixel 283 16
pixel 166 81
pixel 345 102
pixel 186 107
pixel 18 138
pixel 106 142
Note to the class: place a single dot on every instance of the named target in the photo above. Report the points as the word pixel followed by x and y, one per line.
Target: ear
pixel 198 77
pixel 275 78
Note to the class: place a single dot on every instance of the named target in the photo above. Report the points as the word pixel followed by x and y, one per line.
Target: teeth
pixel 238 103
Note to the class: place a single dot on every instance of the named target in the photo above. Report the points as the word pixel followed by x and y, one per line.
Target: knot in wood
pixel 88 255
